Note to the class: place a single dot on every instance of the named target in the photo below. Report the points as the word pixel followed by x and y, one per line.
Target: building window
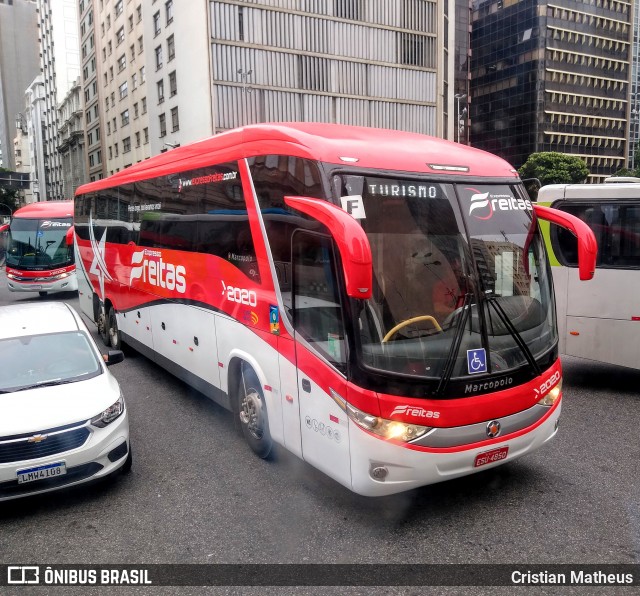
pixel 173 84
pixel 171 47
pixel 160 86
pixel 110 47
pixel 135 110
pixel 130 22
pixel 158 57
pixel 134 80
pixel 169 11
pixel 156 24
pixel 115 147
pixel 144 105
pixel 163 125
pixel 113 99
pixel 145 132
pixel 122 63
pixel 108 128
pixel 140 45
pixel 126 145
pixel 124 90
pixel 139 12
pixel 118 8
pixel 91 160
pixel 120 36
pixel 175 122
pixel 137 139
pixel 114 125
pixel 132 51
pixel 142 77
pixel 125 118
pixel 110 152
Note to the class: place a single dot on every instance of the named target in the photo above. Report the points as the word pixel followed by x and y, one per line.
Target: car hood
pixel 43 408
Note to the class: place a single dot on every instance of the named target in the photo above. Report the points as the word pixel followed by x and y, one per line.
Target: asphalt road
pixel 197 494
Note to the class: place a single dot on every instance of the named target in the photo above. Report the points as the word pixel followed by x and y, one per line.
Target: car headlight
pixel 552 397
pixel 109 415
pixel 387 429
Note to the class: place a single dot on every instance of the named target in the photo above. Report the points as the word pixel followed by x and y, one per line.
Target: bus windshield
pixel 460 281
pixel 39 244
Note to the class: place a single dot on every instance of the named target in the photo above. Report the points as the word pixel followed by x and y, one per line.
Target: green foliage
pixel 553 168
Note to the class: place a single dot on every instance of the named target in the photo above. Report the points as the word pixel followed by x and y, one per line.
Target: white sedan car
pixel 63 419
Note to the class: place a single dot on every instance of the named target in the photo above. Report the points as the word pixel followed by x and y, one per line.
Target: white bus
pixel 600 320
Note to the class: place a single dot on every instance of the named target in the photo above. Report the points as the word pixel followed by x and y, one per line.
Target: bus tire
pixel 103 328
pixel 113 333
pixel 252 412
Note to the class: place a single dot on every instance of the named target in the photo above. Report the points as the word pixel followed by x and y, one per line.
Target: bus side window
pixel 317 310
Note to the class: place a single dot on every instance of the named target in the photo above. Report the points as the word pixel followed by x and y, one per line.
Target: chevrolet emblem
pixel 37 438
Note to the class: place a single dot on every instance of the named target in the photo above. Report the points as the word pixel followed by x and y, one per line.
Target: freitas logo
pixel 484 204
pixel 158 273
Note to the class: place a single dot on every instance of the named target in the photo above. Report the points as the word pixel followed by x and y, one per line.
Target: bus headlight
pixel 386 429
pixel 552 397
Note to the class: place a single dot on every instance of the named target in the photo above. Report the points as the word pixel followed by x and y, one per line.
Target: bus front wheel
pixel 253 413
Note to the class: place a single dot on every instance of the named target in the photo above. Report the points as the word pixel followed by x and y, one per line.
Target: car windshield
pixel 39 243
pixel 457 270
pixel 39 360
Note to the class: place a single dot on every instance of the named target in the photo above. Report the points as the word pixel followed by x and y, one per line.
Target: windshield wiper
pixel 460 325
pixel 50 383
pixel 493 301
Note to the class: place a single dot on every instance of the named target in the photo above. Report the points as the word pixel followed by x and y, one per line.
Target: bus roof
pixel 45 209
pixel 368 147
pixel 582 192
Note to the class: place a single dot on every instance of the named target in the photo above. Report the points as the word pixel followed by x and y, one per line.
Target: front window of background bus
pixel 39 243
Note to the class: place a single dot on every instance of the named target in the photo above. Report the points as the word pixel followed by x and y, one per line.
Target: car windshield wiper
pixel 460 325
pixel 50 383
pixel 495 303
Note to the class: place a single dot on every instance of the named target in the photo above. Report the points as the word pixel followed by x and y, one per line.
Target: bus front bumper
pixel 66 284
pixel 381 468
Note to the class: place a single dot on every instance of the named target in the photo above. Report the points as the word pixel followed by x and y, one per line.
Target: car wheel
pixel 253 413
pixel 112 330
pixel 42 294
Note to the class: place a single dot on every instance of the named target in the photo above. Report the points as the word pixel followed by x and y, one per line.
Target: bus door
pixel 321 356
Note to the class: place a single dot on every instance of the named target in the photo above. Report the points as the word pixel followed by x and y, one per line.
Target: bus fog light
pixel 378 472
pixel 552 397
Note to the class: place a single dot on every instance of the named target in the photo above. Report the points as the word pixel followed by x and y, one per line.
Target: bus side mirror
pixel 69 236
pixel 350 238
pixel 587 245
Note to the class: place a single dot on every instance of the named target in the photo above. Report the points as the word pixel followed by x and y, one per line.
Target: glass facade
pixel 552 78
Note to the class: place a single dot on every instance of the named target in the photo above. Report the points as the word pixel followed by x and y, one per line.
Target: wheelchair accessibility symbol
pixel 476 361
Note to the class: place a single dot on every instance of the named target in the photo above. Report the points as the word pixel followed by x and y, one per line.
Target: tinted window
pixel 274 177
pixel 617 230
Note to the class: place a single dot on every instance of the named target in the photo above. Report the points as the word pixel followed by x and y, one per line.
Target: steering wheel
pixel 399 326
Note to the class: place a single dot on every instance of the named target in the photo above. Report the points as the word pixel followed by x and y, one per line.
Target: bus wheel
pixel 253 413
pixel 112 330
pixel 42 294
pixel 103 329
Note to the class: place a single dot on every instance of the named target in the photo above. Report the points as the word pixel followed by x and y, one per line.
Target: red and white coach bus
pixel 378 302
pixel 39 249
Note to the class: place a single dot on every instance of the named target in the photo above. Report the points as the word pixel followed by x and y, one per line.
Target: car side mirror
pixel 113 357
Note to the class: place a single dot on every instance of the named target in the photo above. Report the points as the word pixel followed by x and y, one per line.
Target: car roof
pixel 36 318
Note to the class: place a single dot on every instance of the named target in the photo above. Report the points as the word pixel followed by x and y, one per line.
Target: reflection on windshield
pixel 39 243
pixel 439 252
pixel 43 359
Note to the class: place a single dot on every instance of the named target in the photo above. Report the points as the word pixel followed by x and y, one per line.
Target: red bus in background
pixel 39 249
pixel 378 302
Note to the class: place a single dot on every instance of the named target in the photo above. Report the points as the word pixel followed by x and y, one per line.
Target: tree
pixel 8 196
pixel 553 168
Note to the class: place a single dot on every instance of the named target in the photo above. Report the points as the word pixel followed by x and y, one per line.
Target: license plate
pixel 490 457
pixel 36 287
pixel 42 472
